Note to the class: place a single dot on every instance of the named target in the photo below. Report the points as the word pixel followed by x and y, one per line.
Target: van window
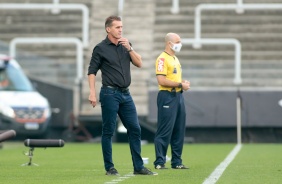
pixel 13 79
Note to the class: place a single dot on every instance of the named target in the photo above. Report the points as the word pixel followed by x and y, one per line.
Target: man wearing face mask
pixel 171 107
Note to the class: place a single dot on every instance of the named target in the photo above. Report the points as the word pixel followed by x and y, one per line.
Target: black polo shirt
pixel 114 63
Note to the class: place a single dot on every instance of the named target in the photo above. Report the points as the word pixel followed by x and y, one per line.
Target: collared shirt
pixel 170 67
pixel 114 63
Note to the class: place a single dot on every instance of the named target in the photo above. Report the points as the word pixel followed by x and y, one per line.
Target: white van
pixel 22 108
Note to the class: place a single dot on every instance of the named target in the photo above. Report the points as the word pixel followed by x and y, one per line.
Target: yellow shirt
pixel 170 67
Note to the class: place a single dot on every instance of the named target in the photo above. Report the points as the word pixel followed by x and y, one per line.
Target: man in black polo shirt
pixel 113 57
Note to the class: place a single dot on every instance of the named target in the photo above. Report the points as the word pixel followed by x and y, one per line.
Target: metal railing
pixel 239 8
pixel 175 6
pixel 120 7
pixel 54 6
pixel 223 41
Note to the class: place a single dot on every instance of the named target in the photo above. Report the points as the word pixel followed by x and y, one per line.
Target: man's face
pixel 175 40
pixel 115 30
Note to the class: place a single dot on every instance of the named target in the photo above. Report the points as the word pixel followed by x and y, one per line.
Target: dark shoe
pixel 145 171
pixel 112 171
pixel 180 167
pixel 160 167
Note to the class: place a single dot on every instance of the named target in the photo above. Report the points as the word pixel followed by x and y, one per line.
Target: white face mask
pixel 176 47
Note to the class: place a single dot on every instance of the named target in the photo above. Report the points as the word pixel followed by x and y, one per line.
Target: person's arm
pixel 163 81
pixel 92 96
pixel 92 71
pixel 136 58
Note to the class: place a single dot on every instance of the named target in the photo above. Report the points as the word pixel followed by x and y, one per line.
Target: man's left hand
pixel 185 85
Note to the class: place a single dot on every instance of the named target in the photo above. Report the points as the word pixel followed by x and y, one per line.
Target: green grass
pixel 255 163
pixel 83 163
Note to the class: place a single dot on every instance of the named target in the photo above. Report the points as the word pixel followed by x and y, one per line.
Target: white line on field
pixel 119 179
pixel 215 175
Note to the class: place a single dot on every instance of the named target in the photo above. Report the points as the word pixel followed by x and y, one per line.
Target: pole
pixel 238 110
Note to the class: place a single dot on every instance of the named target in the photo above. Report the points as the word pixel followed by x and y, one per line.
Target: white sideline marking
pixel 215 175
pixel 119 179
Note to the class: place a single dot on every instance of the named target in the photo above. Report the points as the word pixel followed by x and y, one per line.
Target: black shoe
pixel 112 171
pixel 145 171
pixel 181 166
pixel 160 167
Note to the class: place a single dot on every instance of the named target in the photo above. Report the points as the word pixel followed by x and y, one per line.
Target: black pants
pixel 171 127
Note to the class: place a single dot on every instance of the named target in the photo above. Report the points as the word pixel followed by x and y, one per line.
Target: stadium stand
pixel 57 62
pixel 257 30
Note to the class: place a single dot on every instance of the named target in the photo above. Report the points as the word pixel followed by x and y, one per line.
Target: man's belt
pixel 116 88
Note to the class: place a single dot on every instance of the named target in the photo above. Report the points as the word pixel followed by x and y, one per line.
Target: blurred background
pixel 218 76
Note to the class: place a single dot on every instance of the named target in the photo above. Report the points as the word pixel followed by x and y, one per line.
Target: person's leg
pixel 166 120
pixel 178 134
pixel 128 115
pixel 109 104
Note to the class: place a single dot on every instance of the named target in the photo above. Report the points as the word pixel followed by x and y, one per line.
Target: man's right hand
pixel 92 99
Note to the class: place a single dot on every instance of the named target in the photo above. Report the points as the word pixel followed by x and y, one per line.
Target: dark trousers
pixel 113 102
pixel 171 127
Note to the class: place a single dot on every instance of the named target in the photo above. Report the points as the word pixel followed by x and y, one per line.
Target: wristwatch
pixel 131 49
pixel 180 85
